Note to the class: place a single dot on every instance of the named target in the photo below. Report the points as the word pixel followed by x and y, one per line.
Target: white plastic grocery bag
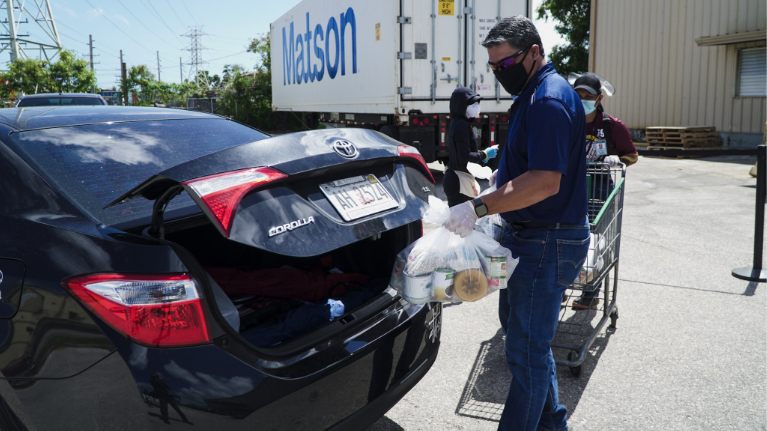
pixel 491 225
pixel 442 266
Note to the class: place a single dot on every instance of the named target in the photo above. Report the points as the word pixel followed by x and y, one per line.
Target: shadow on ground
pixel 484 394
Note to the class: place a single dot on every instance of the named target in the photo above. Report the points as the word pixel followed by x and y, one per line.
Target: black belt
pixel 524 225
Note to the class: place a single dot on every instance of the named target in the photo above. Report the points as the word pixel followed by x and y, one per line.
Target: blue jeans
pixel 549 261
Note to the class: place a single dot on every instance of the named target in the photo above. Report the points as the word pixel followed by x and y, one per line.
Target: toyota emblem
pixel 345 149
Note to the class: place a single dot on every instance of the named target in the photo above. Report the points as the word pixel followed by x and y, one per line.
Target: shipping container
pixel 390 66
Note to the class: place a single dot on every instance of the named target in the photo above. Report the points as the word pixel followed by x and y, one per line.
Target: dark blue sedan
pixel 164 267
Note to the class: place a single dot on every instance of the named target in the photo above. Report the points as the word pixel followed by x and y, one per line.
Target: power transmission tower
pixel 19 12
pixel 195 48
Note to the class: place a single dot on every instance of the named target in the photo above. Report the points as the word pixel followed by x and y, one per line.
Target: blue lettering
pixel 298 49
pixel 308 40
pixel 287 58
pixel 348 18
pixel 319 52
pixel 300 76
pixel 332 70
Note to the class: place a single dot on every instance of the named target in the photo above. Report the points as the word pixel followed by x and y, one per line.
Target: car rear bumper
pixel 377 408
pixel 205 387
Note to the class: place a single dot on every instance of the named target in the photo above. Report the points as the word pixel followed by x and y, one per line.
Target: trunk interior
pixel 282 298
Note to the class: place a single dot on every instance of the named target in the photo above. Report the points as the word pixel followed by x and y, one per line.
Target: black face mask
pixel 513 78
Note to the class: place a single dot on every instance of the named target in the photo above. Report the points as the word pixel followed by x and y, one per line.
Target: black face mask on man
pixel 514 77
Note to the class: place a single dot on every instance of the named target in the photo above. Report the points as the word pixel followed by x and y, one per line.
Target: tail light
pixel 153 310
pixel 412 152
pixel 222 193
pixel 416 121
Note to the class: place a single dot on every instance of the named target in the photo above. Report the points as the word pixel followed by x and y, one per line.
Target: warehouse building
pixel 684 63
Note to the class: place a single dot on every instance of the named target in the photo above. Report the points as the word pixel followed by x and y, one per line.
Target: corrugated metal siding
pixel 647 50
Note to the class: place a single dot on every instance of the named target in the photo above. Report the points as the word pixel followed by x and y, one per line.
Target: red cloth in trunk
pixel 309 286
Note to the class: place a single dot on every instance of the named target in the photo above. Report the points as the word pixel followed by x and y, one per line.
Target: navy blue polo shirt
pixel 547 132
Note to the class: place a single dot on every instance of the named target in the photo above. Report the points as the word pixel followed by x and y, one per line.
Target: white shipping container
pixel 385 57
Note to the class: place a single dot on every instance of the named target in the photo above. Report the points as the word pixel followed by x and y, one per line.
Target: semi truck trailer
pixel 390 66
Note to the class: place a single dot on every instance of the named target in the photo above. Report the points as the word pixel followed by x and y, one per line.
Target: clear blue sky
pixel 142 27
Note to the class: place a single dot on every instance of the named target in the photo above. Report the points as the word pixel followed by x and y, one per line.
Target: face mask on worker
pixel 513 78
pixel 473 110
pixel 589 106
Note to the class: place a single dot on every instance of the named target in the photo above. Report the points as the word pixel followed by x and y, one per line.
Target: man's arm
pixel 624 146
pixel 525 190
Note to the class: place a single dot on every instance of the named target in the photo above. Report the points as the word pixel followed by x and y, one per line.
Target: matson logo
pixel 290 226
pixel 304 60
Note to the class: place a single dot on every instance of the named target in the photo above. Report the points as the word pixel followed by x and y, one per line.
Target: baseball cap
pixel 591 82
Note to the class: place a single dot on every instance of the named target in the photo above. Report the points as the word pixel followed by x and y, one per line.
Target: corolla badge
pixel 345 149
pixel 290 226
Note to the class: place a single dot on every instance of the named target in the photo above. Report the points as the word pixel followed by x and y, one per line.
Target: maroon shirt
pixel 620 140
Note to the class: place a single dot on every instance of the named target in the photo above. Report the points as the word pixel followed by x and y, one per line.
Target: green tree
pixel 573 23
pixel 67 74
pixel 71 74
pixel 247 96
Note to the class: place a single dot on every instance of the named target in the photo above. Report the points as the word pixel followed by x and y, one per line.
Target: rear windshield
pixel 59 101
pixel 96 164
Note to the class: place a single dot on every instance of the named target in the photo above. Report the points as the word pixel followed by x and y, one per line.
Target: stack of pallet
pixel 683 138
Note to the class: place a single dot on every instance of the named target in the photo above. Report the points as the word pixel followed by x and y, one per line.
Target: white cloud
pixel 69 11
pixel 122 18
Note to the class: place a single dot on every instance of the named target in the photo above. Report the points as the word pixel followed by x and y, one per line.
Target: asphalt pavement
pixel 688 351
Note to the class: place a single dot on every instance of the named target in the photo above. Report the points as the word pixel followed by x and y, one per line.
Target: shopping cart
pixel 576 330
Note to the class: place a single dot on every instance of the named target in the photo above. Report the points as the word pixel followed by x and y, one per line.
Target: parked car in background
pixel 60 99
pixel 135 247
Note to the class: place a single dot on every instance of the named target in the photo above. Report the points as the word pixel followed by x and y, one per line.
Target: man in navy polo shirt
pixel 541 195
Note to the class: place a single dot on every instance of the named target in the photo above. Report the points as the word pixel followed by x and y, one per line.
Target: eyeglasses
pixel 506 62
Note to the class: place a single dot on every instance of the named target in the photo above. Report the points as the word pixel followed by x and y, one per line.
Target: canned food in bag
pixel 442 284
pixel 417 288
pixel 496 271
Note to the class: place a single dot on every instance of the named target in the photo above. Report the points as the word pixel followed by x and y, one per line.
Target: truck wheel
pixel 390 131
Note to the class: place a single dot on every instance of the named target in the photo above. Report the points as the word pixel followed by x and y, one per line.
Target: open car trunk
pixel 299 244
pixel 278 298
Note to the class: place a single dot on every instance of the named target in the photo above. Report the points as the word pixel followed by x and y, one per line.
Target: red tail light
pixel 504 119
pixel 412 152
pixel 416 121
pixel 153 310
pixel 426 120
pixel 222 193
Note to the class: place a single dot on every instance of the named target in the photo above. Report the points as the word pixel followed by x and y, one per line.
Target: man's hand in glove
pixel 613 161
pixel 490 153
pixel 462 219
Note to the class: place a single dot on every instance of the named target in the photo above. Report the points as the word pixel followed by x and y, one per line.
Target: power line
pixel 146 26
pixel 227 56
pixel 115 25
pixel 83 35
pixel 189 12
pixel 157 14
pixel 172 9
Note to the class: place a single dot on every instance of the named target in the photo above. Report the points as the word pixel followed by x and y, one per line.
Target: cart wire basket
pixel 593 293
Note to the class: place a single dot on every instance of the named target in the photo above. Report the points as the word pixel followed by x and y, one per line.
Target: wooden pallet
pixel 683 136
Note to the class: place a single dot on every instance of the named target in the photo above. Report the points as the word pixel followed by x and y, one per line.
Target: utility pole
pixel 90 48
pixel 158 66
pixel 124 74
pixel 181 70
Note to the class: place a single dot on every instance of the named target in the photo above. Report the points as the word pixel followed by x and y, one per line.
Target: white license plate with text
pixel 358 197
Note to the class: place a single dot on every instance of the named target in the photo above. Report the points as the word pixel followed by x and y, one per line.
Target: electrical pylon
pixel 195 49
pixel 46 43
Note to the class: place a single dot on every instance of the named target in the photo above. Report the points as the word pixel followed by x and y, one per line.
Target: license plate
pixel 357 197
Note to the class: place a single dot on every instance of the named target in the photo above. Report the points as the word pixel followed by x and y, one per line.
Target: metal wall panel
pixel 647 50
